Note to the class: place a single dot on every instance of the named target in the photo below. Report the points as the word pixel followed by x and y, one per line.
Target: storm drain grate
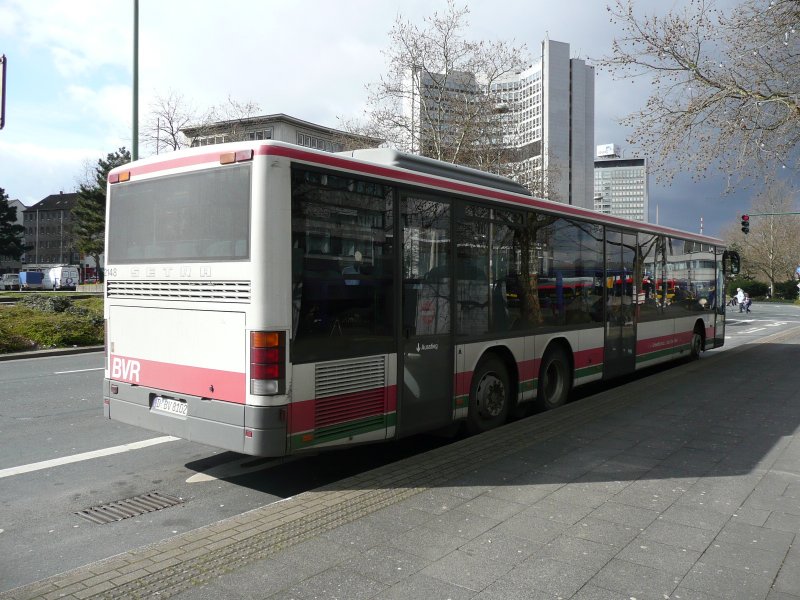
pixel 132 507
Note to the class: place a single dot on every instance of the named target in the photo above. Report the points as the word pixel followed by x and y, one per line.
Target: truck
pixel 30 280
pixel 62 277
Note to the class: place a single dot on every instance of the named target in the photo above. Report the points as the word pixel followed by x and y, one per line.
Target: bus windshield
pixel 198 216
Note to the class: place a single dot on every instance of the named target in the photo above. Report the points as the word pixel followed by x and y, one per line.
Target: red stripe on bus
pixel 664 342
pixel 462 382
pixel 181 379
pixel 303 415
pixel 175 163
pixel 589 358
pixel 655 344
pixel 528 369
pixel 355 165
pixel 351 164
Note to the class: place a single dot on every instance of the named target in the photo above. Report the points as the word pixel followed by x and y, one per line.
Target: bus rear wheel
pixel 489 396
pixel 555 378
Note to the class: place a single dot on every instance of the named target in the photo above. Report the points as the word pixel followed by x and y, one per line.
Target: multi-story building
pixel 7 265
pixel 620 184
pixel 546 114
pixel 48 231
pixel 279 127
pixel 549 123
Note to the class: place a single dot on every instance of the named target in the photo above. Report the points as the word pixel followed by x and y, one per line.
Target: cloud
pixel 32 171
pixel 108 107
pixel 81 35
pixel 70 74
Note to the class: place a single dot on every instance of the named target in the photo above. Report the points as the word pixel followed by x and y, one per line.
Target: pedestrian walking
pixel 747 302
pixel 740 298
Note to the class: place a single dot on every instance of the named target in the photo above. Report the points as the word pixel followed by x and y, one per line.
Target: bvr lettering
pixel 125 369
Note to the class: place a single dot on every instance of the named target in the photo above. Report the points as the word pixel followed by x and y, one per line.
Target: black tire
pixel 696 345
pixel 555 378
pixel 489 396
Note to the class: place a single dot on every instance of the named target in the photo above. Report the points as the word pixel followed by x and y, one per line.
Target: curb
pixel 50 352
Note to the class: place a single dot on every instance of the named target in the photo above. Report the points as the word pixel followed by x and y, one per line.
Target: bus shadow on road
pixel 725 415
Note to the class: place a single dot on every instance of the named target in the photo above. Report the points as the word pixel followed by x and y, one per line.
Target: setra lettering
pixel 125 369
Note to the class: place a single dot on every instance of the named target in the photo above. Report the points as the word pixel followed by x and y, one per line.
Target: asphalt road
pixel 764 319
pixel 61 456
pixel 50 410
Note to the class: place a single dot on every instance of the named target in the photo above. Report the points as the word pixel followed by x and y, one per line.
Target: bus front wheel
pixel 696 345
pixel 489 396
pixel 555 378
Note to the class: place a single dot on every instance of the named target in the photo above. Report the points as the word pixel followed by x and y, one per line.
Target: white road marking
pixel 78 371
pixel 65 460
pixel 753 330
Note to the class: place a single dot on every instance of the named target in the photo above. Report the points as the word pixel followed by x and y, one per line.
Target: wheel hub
pixel 491 396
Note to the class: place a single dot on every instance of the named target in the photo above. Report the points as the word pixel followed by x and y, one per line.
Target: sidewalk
pixel 684 484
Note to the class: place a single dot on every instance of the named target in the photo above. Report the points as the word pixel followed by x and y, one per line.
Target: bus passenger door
pixel 425 395
pixel 718 305
pixel 620 291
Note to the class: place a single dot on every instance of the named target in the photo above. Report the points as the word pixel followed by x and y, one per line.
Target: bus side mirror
pixel 730 262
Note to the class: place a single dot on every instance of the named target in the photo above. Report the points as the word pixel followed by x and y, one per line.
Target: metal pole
pixel 769 214
pixel 135 144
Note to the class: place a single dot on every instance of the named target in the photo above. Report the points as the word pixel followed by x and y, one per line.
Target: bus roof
pixel 423 164
pixel 390 164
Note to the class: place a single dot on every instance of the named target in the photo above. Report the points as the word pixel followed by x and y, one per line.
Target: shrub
pixel 44 322
pixel 47 303
pixel 756 289
pixel 787 290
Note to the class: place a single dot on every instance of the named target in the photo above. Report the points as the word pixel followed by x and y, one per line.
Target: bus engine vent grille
pixel 350 392
pixel 200 291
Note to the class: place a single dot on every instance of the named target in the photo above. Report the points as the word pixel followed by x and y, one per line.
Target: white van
pixel 9 281
pixel 64 277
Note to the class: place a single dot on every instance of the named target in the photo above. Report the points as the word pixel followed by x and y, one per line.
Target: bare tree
pixel 169 115
pixel 227 122
pixel 235 115
pixel 435 99
pixel 725 85
pixel 771 249
pixel 354 135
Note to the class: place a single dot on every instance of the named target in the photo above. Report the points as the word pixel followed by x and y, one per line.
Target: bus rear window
pixel 200 216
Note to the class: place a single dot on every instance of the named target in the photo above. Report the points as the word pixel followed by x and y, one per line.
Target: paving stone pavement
pixel 684 484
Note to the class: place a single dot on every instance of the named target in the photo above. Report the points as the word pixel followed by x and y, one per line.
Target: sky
pixel 70 76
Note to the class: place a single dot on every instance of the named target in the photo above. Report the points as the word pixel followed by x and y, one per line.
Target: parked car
pixel 9 281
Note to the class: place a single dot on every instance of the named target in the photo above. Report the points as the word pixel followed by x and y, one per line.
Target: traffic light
pixel 746 223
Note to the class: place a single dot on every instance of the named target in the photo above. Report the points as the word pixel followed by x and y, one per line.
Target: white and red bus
pixel 270 299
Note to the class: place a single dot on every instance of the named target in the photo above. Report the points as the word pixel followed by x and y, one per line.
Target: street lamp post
pixel 135 143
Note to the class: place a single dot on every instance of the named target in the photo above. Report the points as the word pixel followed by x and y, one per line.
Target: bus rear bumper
pixel 254 430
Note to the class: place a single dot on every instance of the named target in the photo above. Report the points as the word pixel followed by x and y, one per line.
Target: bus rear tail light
pixel 267 363
pixel 118 177
pixel 227 158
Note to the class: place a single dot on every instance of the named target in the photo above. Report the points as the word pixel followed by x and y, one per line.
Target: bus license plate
pixel 170 405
